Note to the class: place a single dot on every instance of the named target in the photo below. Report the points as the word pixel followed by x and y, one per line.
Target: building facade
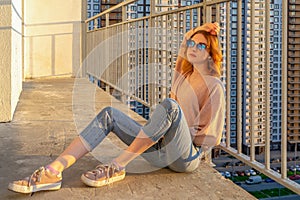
pixel 94 7
pixel 253 96
pixel 293 98
pixel 255 60
pixel 275 66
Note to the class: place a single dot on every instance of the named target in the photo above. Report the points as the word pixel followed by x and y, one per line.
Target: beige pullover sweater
pixel 202 100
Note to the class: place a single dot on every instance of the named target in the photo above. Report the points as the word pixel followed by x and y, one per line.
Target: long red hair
pixel 214 50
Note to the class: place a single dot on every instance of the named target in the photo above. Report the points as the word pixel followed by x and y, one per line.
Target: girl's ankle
pixel 118 165
pixel 52 170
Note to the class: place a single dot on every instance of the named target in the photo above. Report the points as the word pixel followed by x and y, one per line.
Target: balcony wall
pixel 53 39
pixel 11 60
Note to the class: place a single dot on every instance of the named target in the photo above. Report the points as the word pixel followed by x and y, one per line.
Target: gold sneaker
pixel 103 175
pixel 41 179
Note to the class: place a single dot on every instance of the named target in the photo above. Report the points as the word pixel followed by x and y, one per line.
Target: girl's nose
pixel 194 48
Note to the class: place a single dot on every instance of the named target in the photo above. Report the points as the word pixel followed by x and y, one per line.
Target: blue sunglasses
pixel 191 43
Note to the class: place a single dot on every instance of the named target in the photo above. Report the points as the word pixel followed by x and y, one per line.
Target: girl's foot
pixel 103 175
pixel 41 179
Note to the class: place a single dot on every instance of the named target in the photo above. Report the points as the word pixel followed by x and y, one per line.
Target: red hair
pixel 214 51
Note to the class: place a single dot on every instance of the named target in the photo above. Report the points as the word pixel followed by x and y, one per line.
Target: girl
pixel 179 129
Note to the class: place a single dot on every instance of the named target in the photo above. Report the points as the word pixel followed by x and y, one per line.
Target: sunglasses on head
pixel 191 43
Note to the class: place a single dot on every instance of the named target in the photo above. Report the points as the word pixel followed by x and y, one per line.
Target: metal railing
pixel 134 59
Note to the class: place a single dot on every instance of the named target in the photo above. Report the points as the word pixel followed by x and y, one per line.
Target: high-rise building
pixel 138 9
pixel 138 55
pixel 233 69
pixel 115 16
pixel 165 5
pixel 254 61
pixel 254 71
pixel 93 8
pixel 293 118
pixel 275 66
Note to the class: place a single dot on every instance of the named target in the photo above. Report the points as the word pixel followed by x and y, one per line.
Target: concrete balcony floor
pixel 50 114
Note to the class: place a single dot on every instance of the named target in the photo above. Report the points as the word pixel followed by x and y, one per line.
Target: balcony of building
pixel 167 20
pixel 294 2
pixel 294 27
pixel 51 45
pixel 52 111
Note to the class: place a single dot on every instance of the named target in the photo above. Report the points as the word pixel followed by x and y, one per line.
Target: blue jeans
pixel 167 127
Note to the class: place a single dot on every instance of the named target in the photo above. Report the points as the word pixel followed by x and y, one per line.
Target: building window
pixel 96 7
pixel 233 93
pixel 133 16
pixel 234 12
pixel 233 127
pixel 132 8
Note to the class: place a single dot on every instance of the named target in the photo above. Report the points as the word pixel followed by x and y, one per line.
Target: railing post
pixel 106 19
pixel 95 24
pixel 84 30
pixel 284 88
pixel 267 86
pixel 204 11
pixel 208 13
pixel 239 79
pixel 124 54
pixel 228 74
pixel 252 79
pixel 151 35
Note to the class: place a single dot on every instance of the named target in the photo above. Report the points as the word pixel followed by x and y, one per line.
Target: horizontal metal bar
pixel 120 90
pixel 185 8
pixel 208 3
pixel 124 3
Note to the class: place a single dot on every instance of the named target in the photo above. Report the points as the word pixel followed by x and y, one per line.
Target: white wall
pixel 52 44
pixel 52 37
pixel 17 53
pixel 10 57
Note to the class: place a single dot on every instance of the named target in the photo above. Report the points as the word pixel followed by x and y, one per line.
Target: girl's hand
pixel 212 28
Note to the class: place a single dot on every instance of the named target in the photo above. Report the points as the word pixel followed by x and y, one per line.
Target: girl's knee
pixel 169 103
pixel 106 110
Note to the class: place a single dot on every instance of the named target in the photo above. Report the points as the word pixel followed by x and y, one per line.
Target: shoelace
pixel 37 175
pixel 105 169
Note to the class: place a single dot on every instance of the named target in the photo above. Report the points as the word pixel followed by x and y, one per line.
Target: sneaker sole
pixel 25 189
pixel 94 183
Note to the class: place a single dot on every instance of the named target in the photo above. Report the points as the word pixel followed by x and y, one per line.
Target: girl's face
pixel 197 49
